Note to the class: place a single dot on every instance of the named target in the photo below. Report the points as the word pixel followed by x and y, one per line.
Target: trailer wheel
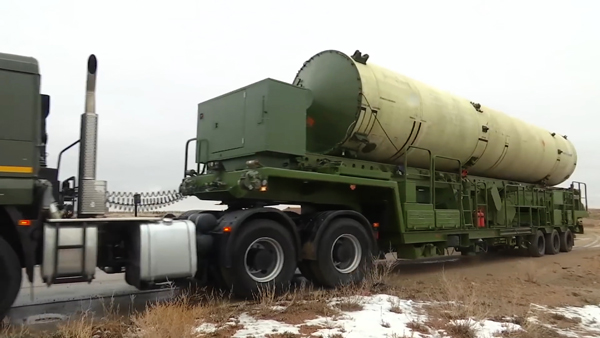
pixel 343 254
pixel 552 243
pixel 263 256
pixel 10 277
pixel 566 241
pixel 537 245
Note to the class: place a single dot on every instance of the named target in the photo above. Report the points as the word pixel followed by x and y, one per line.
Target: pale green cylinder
pixel 377 114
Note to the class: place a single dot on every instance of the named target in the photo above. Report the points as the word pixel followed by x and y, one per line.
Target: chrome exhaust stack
pixel 91 197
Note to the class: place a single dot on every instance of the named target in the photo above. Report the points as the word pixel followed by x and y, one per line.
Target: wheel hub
pixel 346 253
pixel 342 251
pixel 264 259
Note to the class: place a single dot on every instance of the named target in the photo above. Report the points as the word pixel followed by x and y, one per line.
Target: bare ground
pixel 492 287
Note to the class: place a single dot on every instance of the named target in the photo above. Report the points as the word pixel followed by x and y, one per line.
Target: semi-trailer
pixel 377 161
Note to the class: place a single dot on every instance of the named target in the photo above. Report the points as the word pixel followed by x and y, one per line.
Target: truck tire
pixel 566 241
pixel 343 254
pixel 537 244
pixel 552 243
pixel 263 256
pixel 187 214
pixel 10 277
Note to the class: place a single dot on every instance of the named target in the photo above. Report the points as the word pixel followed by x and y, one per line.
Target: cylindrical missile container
pixel 375 114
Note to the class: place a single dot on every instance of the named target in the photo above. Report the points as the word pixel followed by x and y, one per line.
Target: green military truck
pixel 377 161
pixel 25 180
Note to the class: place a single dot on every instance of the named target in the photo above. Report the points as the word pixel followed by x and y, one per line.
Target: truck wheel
pixel 263 256
pixel 566 241
pixel 10 277
pixel 187 214
pixel 552 243
pixel 537 245
pixel 343 254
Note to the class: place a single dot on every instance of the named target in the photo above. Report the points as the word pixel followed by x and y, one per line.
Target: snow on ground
pixel 388 316
pixel 588 317
pixel 488 328
pixel 381 316
pixel 261 327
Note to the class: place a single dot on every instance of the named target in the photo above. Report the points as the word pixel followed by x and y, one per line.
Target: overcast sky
pixel 538 60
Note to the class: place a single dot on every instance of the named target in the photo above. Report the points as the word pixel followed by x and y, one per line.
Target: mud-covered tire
pixel 270 233
pixel 552 243
pixel 537 244
pixel 324 269
pixel 567 241
pixel 10 277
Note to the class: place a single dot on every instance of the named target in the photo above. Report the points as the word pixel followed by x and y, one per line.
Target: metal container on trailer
pixel 377 114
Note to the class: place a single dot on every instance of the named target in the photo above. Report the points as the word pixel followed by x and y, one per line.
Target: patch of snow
pixel 208 328
pixel 278 308
pixel 389 316
pixel 588 315
pixel 375 319
pixel 205 328
pixel 260 327
pixel 488 328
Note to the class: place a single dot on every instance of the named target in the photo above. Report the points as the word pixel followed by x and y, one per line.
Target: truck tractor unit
pixel 376 161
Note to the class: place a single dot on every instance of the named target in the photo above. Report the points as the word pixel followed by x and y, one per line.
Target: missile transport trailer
pixel 377 161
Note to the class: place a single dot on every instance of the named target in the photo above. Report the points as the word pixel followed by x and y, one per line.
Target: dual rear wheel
pixel 264 257
pixel 343 255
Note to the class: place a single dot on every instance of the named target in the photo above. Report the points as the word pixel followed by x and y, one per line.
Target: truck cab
pixel 23 112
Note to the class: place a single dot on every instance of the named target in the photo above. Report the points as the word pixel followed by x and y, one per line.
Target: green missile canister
pixel 376 114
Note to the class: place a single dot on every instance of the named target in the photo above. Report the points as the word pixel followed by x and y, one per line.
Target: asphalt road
pixel 39 303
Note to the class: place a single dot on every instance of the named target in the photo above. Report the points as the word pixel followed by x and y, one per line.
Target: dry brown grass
pixel 283 335
pixel 395 307
pixel 10 331
pixel 350 306
pixel 179 317
pixel 173 319
pixel 460 299
pixel 531 329
pixel 85 325
pixel 460 304
pixel 455 298
pixel 418 327
pixel 464 329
